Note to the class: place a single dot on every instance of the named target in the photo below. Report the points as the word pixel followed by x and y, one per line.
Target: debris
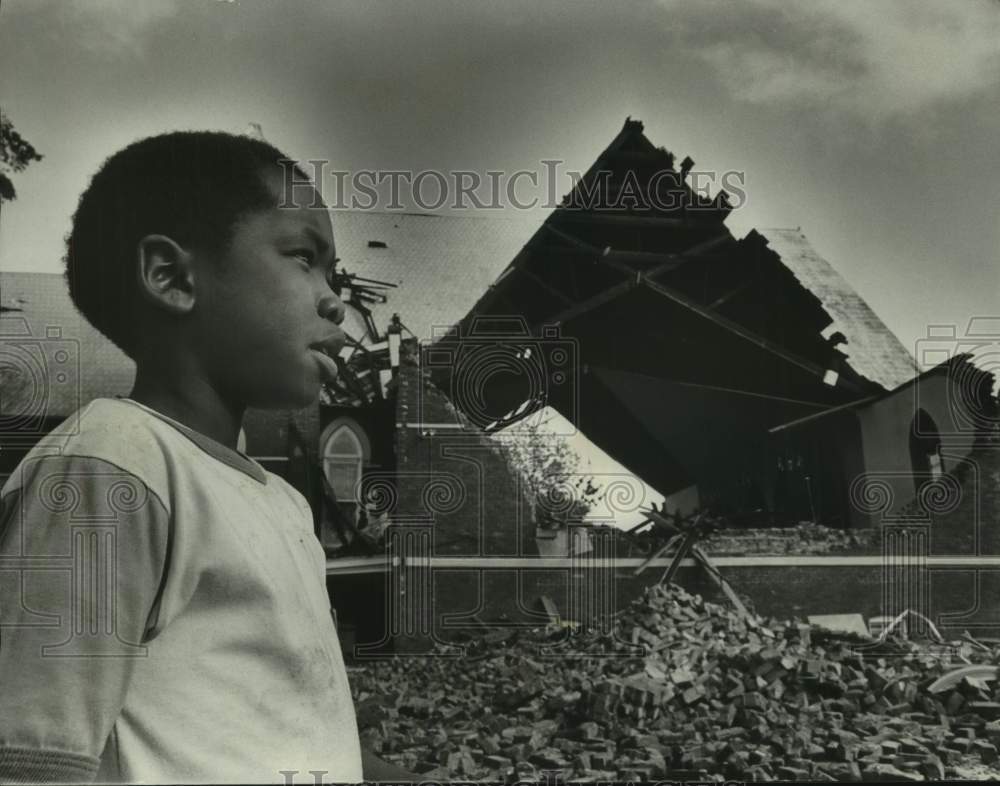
pixel 840 623
pixel 966 636
pixel 876 625
pixel 686 533
pixel 692 690
pixel 904 615
pixel 980 672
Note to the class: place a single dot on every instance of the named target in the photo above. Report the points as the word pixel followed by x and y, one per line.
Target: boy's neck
pixel 193 403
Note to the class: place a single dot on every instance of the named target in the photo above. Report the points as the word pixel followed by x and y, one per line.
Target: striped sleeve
pixel 83 548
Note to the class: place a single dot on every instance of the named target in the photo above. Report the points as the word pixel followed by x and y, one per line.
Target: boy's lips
pixel 327 364
pixel 325 352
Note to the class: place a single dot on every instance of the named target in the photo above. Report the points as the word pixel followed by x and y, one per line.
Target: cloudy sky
pixel 870 124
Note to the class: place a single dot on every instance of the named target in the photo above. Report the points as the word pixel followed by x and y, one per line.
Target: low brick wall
pixel 958 598
pixel 806 539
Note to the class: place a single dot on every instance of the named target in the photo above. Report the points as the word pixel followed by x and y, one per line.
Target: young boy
pixel 163 609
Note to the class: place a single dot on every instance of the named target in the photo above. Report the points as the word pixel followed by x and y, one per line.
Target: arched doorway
pixel 925 448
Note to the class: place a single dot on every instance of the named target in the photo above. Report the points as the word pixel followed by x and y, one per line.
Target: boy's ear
pixel 165 273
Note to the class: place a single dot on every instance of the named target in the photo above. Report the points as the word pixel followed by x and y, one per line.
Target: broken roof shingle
pixel 872 349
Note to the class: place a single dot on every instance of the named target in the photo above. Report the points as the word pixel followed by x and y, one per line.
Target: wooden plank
pixel 638 526
pixel 660 520
pixel 687 542
pixel 649 560
pixel 720 581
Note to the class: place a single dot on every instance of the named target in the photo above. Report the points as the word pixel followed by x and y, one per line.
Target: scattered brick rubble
pixel 703 695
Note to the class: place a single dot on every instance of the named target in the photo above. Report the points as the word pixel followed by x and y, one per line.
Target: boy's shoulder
pixel 112 435
pixel 104 432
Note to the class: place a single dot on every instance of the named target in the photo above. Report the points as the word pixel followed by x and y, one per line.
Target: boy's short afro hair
pixel 192 186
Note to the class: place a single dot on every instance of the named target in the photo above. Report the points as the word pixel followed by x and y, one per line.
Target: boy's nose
pixel 332 308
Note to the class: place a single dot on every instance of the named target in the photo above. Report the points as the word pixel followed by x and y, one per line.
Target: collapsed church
pixel 741 375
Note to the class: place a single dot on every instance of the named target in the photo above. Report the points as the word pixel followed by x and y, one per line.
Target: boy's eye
pixel 304 255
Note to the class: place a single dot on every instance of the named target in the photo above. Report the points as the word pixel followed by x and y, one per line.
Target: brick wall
pixel 963 507
pixel 462 599
pixel 455 478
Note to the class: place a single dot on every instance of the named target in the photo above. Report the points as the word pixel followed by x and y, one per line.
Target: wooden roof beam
pixel 617 259
pixel 719 301
pixel 636 278
pixel 566 299
pixel 597 253
pixel 588 305
pixel 742 332
pixel 695 251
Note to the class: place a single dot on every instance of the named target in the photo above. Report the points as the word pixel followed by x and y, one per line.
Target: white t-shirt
pixel 163 614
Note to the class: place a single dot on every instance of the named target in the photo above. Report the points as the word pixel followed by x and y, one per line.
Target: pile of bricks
pixel 683 689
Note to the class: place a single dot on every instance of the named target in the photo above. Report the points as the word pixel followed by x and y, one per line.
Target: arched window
pixel 343 460
pixel 925 448
pixel 344 450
